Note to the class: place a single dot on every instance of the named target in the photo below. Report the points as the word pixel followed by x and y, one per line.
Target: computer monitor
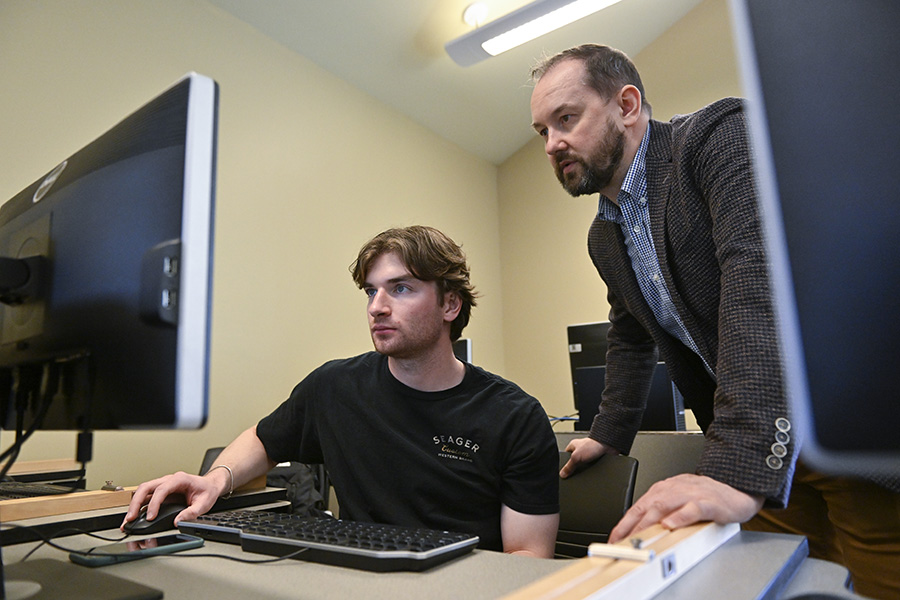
pixel 587 347
pixel 665 404
pixel 105 283
pixel 821 77
pixel 462 349
pixel 106 276
pixel 587 361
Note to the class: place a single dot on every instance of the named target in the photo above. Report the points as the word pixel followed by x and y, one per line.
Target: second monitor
pixel 587 360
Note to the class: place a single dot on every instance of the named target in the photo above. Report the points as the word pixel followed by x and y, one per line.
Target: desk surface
pixel 748 566
pixel 483 574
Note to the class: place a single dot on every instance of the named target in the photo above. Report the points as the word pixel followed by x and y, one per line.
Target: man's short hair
pixel 430 256
pixel 608 70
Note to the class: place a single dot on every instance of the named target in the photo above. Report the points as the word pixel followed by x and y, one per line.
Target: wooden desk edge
pixel 45 506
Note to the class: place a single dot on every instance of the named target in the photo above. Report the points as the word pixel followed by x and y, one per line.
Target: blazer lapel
pixel 661 183
pixel 659 191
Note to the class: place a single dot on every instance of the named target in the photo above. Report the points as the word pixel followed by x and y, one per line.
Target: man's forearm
pixel 246 460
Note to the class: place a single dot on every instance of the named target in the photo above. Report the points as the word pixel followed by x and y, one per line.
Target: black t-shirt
pixel 442 460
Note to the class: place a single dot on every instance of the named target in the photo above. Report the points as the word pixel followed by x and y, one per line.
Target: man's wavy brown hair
pixel 430 256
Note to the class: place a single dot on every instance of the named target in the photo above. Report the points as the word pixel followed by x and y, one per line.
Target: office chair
pixel 665 454
pixel 661 454
pixel 209 459
pixel 592 501
pixel 307 486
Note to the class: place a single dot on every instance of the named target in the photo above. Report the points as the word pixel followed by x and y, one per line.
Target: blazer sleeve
pixel 749 442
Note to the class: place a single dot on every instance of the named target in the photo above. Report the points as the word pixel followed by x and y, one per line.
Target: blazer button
pixel 774 463
pixel 782 424
pixel 782 437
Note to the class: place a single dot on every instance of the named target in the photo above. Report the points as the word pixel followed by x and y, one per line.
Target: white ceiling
pixel 394 50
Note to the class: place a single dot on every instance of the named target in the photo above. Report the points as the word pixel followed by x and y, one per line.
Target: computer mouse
pixel 164 521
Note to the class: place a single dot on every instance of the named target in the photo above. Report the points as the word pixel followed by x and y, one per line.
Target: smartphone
pixel 132 550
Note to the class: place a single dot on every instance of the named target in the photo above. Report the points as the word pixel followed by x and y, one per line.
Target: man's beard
pixel 600 167
pixel 410 342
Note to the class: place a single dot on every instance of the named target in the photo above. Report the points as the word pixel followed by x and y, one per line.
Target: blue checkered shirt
pixel 633 215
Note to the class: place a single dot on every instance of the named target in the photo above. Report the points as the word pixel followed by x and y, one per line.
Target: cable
pixel 248 561
pixel 74 530
pixel 62 532
pixel 46 401
pixel 555 420
pixel 49 371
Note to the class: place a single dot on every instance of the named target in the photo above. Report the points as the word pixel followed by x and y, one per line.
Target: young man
pixel 409 434
pixel 677 240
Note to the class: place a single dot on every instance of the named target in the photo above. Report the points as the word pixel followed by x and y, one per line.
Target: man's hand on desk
pixel 684 500
pixel 200 494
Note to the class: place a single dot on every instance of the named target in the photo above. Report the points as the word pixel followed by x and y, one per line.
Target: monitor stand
pixel 46 578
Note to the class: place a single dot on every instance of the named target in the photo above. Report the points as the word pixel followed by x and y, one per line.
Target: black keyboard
pixel 15 490
pixel 354 544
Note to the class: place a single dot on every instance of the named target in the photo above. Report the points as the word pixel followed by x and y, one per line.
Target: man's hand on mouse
pixel 200 494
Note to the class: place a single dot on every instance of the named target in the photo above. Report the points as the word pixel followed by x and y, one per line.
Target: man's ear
pixel 629 100
pixel 452 305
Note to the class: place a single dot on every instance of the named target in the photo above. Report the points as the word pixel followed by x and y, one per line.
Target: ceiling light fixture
pixel 475 14
pixel 525 24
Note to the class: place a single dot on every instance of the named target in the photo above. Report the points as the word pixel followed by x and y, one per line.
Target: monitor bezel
pixel 820 455
pixel 197 110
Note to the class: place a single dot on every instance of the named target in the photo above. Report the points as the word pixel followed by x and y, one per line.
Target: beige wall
pixel 549 281
pixel 309 168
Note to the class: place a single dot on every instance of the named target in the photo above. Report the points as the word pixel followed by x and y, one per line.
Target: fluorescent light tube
pixel 520 26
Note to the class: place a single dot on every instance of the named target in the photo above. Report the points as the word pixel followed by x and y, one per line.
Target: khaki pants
pixel 848 521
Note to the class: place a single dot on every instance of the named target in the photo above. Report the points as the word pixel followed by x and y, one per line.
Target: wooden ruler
pixel 672 553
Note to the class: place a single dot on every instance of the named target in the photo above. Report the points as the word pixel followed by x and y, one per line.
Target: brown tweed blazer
pixel 705 227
